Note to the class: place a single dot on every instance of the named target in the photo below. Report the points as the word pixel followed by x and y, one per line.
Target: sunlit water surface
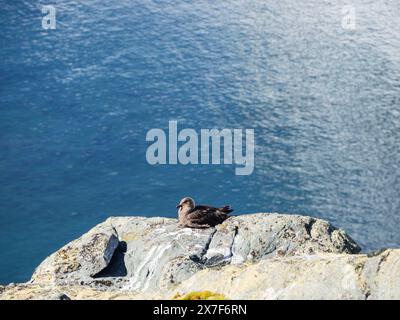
pixel 76 103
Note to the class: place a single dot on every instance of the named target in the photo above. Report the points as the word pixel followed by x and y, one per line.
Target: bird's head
pixel 186 204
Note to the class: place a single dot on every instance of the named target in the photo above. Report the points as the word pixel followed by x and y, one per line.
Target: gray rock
pixel 257 256
pixel 80 260
pixel 146 255
pixel 321 276
pixel 318 276
pixel 257 236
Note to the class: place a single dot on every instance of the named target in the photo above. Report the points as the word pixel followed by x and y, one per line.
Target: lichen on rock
pixel 200 295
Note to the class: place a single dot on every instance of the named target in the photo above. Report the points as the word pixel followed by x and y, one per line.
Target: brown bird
pixel 193 216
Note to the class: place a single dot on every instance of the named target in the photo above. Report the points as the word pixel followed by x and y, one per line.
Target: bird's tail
pixel 226 209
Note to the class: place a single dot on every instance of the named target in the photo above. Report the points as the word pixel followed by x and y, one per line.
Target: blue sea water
pixel 76 104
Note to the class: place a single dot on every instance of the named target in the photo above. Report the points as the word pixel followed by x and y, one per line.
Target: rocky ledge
pixel 256 256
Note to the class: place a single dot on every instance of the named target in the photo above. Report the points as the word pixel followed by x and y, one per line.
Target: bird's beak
pixel 178 206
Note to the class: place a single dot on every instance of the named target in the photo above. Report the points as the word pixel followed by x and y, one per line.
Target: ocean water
pixel 76 104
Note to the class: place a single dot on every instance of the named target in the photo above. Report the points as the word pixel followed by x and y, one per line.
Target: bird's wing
pixel 207 215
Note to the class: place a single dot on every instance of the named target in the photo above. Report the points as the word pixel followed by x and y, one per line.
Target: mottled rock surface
pixel 257 256
pixel 322 276
pixel 153 253
pixel 81 259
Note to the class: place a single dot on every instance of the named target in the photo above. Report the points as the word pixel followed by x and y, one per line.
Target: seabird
pixel 193 216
